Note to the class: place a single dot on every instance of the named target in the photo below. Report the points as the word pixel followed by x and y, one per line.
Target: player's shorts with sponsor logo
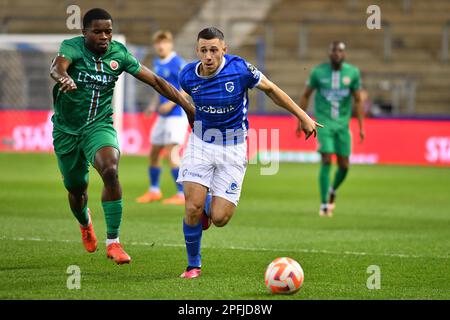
pixel 75 152
pixel 334 139
pixel 220 168
pixel 169 130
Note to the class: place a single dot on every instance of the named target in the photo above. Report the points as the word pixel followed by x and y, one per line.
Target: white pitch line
pixel 175 245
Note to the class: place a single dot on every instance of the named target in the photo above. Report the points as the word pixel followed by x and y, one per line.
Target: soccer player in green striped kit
pixel 85 70
pixel 336 83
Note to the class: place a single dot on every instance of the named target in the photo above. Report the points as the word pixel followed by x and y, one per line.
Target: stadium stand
pixel 404 65
pixel 411 69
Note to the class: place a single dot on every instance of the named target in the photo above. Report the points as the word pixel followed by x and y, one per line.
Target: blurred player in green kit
pixel 336 83
pixel 85 70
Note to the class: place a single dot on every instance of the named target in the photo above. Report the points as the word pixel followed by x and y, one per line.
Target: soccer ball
pixel 284 275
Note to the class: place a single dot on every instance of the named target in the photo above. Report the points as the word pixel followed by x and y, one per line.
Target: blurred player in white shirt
pixel 170 129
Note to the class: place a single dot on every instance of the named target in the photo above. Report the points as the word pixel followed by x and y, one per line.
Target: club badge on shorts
pixel 233 188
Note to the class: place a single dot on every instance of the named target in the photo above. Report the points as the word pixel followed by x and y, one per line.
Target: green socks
pixel 82 217
pixel 113 217
pixel 339 177
pixel 324 181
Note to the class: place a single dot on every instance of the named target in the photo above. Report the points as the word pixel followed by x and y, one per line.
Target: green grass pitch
pixel 394 217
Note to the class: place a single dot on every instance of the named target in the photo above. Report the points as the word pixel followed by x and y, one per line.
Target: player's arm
pixel 280 98
pixel 359 113
pixel 167 90
pixel 166 107
pixel 58 71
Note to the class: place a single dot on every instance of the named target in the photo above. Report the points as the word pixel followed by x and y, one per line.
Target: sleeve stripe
pixel 259 80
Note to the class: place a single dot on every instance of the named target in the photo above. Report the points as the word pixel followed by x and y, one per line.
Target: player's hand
pixel 166 107
pixel 149 110
pixel 362 135
pixel 309 127
pixel 66 84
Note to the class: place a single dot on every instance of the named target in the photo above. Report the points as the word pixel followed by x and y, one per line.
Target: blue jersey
pixel 221 99
pixel 169 69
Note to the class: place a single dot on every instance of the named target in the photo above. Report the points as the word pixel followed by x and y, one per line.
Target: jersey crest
pixel 114 65
pixel 229 86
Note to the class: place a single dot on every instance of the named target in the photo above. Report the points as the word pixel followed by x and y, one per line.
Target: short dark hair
pixel 210 33
pixel 95 14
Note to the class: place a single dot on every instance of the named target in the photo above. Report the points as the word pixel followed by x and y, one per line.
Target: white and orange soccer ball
pixel 284 275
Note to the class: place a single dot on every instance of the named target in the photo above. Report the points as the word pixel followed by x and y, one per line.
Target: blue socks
pixel 153 174
pixel 175 177
pixel 193 237
pixel 208 204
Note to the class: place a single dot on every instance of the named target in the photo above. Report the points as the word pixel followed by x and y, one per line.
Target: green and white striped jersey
pixel 333 100
pixel 95 77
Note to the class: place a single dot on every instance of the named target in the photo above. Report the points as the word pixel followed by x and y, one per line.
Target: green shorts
pixel 75 152
pixel 335 140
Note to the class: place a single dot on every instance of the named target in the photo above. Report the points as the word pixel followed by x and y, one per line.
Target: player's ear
pixel 224 48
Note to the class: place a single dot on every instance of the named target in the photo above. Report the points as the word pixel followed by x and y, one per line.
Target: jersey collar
pixel 211 75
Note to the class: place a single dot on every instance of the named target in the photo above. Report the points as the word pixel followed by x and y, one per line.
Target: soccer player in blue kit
pixel 214 163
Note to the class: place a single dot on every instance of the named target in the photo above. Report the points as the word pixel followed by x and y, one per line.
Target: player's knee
pixel 193 209
pixel 326 158
pixel 76 187
pixel 220 220
pixel 110 173
pixel 343 165
pixel 77 192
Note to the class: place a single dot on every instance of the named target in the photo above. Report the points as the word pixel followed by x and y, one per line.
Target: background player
pixel 169 131
pixel 86 70
pixel 215 158
pixel 336 83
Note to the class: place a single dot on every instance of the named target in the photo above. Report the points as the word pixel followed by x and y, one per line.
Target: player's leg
pixel 197 168
pixel 78 199
pixel 175 134
pixel 101 148
pixel 339 177
pixel 106 162
pixel 343 150
pixel 154 173
pixel 157 138
pixel 195 195
pixel 227 182
pixel 326 149
pixel 324 182
pixel 173 155
pixel 221 211
pixel 75 171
